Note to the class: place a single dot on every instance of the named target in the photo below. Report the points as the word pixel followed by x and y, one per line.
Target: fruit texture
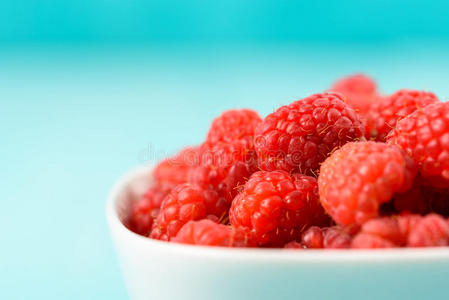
pixel 299 136
pixel 276 207
pixel 387 111
pixel 357 178
pixel 424 135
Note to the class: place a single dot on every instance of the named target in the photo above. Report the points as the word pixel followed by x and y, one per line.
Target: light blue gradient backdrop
pixel 89 89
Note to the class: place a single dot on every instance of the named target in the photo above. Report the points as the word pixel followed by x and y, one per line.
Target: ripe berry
pixel 299 136
pixel 424 134
pixel 174 170
pixel 294 245
pixel 335 237
pixel 234 125
pixel 184 203
pixel 145 209
pixel 357 178
pixel 431 231
pixel 360 91
pixel 208 233
pixel 313 238
pixel 276 207
pixel 224 168
pixel 382 232
pixel 387 111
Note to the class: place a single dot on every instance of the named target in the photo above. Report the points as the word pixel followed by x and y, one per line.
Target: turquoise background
pixel 89 89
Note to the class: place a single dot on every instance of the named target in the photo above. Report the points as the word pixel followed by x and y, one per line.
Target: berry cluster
pixel 346 168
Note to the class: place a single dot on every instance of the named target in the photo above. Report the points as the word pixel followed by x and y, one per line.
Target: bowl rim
pixel 259 254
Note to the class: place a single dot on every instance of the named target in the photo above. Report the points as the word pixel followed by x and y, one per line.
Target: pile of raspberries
pixel 345 168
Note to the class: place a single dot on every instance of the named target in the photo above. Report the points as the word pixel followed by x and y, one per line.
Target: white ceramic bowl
pixel 159 270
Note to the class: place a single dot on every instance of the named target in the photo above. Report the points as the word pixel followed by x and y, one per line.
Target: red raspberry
pixel 313 238
pixel 276 207
pixel 227 158
pixel 234 125
pixel 208 233
pixel 224 167
pixel 185 202
pixel 424 134
pixel 360 91
pixel 175 170
pixel 145 209
pixel 299 136
pixel 294 245
pixel 334 237
pixel 400 231
pixel 357 178
pixel 386 112
pixel 380 233
pixel 406 222
pixel 431 231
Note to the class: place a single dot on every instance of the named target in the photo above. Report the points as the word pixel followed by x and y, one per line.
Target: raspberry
pixel 380 233
pixel 276 207
pixel 357 178
pixel 294 245
pixel 330 237
pixel 175 170
pixel 145 209
pixel 184 203
pixel 234 125
pixel 406 222
pixel 313 238
pixel 424 134
pixel 227 158
pixel 431 231
pixel 386 112
pixel 208 233
pixel 224 167
pixel 299 136
pixel 360 91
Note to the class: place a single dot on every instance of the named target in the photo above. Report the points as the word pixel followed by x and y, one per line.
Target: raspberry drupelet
pixel 360 92
pixel 334 237
pixel 299 136
pixel 357 178
pixel 276 207
pixel 387 111
pixel 208 233
pixel 424 135
pixel 184 203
